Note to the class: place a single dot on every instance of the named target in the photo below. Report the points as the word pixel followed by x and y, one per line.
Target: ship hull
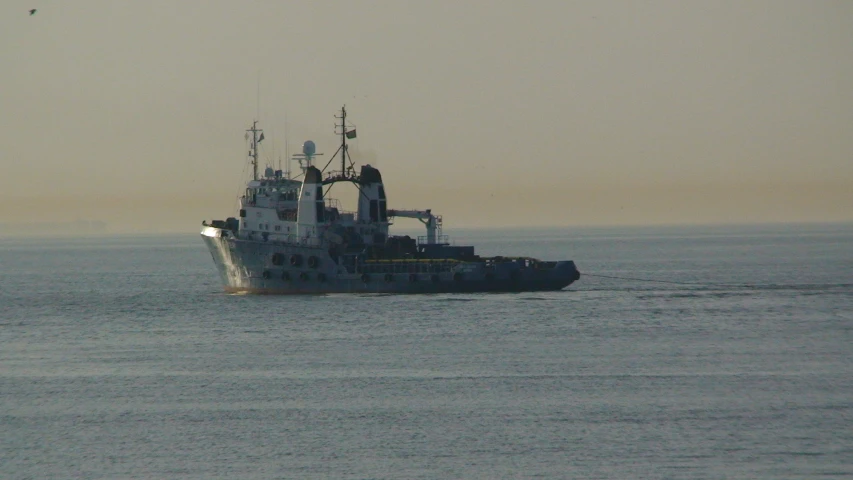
pixel 253 266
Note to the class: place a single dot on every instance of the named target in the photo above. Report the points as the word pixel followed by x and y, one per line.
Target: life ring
pixel 434 278
pixel 313 262
pixel 321 277
pixel 458 276
pixel 413 278
pixel 277 259
pixel 296 260
pixel 267 274
pixel 285 276
pixel 389 277
pixel 365 278
pixel 303 276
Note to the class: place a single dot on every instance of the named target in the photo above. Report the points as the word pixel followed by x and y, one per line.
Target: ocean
pixel 682 352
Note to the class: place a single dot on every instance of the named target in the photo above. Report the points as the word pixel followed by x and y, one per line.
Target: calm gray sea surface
pixel 122 358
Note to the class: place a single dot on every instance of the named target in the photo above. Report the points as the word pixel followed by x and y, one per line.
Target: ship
pixel 291 237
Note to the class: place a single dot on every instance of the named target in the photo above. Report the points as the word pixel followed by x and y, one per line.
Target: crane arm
pixel 432 222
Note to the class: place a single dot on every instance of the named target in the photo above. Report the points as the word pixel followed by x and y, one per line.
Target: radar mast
pixel 253 153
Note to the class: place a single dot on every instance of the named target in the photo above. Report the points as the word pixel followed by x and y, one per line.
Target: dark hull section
pixel 279 268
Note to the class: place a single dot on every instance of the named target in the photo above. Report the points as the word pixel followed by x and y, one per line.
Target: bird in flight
pixel 33 12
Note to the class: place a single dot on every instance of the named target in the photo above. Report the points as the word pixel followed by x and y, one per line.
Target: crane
pixel 432 222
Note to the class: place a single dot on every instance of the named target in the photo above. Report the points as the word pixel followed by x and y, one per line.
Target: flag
pixel 261 138
pixel 351 134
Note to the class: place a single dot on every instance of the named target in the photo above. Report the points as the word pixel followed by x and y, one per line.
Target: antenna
pixel 255 139
pixel 258 98
pixel 286 150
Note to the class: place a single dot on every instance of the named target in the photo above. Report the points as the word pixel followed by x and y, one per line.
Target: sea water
pixel 718 352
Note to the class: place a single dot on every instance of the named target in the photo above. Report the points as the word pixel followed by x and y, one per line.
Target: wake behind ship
pixel 290 237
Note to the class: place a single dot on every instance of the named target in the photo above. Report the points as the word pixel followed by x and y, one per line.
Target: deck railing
pixel 439 240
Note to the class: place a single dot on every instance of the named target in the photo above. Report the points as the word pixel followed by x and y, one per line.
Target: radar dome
pixel 308 148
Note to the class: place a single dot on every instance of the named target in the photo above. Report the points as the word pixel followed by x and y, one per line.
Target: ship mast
pixel 343 150
pixel 343 126
pixel 256 140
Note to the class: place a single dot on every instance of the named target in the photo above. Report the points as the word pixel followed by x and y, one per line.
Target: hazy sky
pixel 490 112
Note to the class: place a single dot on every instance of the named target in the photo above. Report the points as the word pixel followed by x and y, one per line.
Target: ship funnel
pixel 370 175
pixel 312 176
pixel 372 204
pixel 311 209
